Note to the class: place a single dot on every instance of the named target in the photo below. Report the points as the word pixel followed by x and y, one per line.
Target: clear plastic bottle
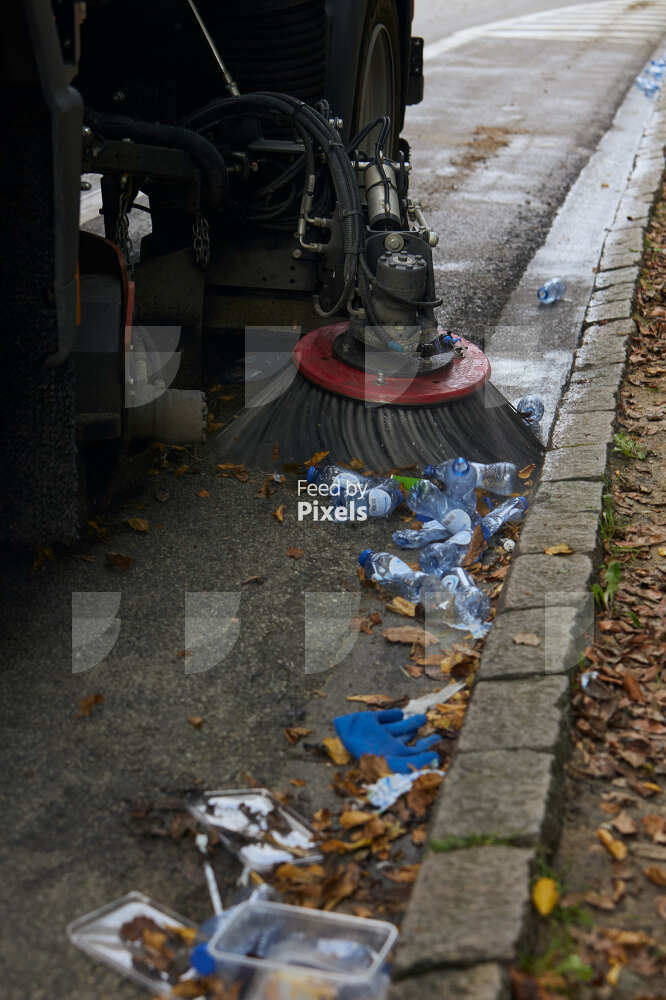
pixel 511 510
pixel 551 291
pixel 499 477
pixel 433 531
pixel 531 410
pixel 379 500
pixel 460 482
pixel 437 559
pixel 428 502
pixel 454 599
pixel 335 477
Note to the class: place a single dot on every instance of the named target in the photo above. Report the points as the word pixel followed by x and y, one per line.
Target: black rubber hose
pixel 204 152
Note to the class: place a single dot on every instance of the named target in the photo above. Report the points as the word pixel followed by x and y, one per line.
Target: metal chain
pixel 201 241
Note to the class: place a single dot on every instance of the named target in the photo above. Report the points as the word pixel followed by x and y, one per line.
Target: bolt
pixel 119 96
pixel 380 378
pixel 297 253
pixel 433 238
pixel 394 241
pixel 86 131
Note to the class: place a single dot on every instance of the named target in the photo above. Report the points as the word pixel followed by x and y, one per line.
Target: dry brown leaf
pixel 632 687
pixel 526 471
pixel 656 875
pixel 340 886
pixel 203 494
pixel 86 705
pixel 299 874
pixel 354 817
pixel 180 471
pixel 614 847
pixel 336 750
pixel 527 639
pixel 367 622
pixel 297 782
pixel 379 700
pixel 410 634
pixel 660 903
pixel 118 561
pixel 623 823
pixel 254 579
pixel 401 606
pixel 403 876
pixel 373 768
pixel 423 793
pixel 295 733
pixel 362 911
pixel 655 827
pixel 476 546
pixel 196 721
pixel 138 524
pixel 419 835
pixel 318 457
pixel 336 846
pixel 294 553
pixel 229 469
pixel 413 671
pixel 279 513
pixel 599 900
pixel 498 574
pixel 562 549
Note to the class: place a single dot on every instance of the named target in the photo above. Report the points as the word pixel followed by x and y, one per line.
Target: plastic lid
pixel 364 556
pixel 312 474
pixel 202 960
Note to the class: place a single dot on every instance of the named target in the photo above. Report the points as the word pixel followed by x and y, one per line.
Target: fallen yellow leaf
pixel 354 817
pixel 615 847
pixel 336 750
pixel 317 458
pixel 138 523
pixel 661 551
pixel 401 606
pixel 527 471
pixel 559 550
pixel 279 513
pixel 545 895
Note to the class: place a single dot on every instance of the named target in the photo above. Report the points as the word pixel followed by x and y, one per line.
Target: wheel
pixel 378 86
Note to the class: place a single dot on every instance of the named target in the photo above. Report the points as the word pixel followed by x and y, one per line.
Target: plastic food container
pixel 257 828
pixel 98 934
pixel 281 952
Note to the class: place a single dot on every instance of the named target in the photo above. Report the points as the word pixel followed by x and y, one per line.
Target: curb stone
pixel 470 911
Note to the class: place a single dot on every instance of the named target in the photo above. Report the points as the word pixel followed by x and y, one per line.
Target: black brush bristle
pixel 302 419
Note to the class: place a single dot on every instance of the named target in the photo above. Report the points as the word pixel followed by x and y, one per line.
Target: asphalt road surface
pixel 513 112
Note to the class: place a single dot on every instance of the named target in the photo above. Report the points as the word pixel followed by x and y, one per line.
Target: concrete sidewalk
pixel 470 914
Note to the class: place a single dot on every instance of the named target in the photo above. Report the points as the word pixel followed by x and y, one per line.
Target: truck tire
pixel 378 84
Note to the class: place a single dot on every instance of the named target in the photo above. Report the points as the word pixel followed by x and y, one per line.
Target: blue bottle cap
pixel 459 466
pixel 364 556
pixel 312 473
pixel 429 469
pixel 202 960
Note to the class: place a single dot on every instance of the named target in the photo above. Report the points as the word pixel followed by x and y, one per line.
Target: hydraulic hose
pixel 204 152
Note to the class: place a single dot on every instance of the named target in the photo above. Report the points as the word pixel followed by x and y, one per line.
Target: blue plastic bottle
pixel 438 558
pixel 460 482
pixel 511 510
pixel 531 410
pixel 551 291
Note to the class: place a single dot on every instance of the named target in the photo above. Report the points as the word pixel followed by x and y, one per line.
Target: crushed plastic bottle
pixel 511 510
pixel 499 477
pixel 531 410
pixel 433 531
pixel 335 477
pixel 380 500
pixel 648 84
pixel 428 502
pixel 437 559
pixel 551 291
pixel 460 482
pixel 456 600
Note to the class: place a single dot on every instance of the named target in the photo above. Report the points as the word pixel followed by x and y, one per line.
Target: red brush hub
pixel 316 361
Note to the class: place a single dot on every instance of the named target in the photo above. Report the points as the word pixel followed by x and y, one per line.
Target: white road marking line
pixel 610 20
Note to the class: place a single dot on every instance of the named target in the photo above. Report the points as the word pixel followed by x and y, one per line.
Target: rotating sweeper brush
pixel 387 386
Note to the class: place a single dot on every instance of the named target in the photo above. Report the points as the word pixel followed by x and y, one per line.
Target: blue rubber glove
pixel 386 734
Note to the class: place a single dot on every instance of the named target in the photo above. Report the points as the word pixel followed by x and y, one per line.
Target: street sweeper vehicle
pixel 262 142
